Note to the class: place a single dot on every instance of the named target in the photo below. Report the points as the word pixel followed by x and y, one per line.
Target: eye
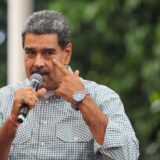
pixel 30 53
pixel 48 53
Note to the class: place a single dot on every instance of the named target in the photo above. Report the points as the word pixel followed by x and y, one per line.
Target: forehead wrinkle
pixel 36 40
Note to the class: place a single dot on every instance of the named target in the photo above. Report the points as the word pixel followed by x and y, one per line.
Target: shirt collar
pixel 49 94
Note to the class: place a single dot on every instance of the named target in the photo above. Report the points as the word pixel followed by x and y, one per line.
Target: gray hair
pixel 44 22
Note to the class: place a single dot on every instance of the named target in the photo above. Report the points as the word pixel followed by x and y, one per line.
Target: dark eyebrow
pixel 43 50
pixel 29 49
pixel 48 50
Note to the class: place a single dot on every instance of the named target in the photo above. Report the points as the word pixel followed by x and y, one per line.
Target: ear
pixel 67 53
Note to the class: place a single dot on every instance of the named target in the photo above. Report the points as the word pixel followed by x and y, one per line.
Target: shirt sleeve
pixel 120 141
pixel 6 98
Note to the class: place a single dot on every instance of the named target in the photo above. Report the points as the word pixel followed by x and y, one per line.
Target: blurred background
pixel 116 43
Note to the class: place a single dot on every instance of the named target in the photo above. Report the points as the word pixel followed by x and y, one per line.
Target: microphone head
pixel 36 78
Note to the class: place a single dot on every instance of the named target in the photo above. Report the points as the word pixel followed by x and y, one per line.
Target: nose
pixel 39 61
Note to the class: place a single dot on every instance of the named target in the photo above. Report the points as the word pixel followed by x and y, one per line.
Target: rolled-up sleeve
pixel 120 142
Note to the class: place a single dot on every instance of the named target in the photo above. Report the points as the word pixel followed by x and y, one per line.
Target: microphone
pixel 36 81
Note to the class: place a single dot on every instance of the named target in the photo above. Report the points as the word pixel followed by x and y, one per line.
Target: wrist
pixel 77 98
pixel 13 121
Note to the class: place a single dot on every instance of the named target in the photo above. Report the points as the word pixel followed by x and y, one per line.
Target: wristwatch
pixel 78 97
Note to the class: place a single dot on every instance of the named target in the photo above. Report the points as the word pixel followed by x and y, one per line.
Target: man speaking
pixel 69 118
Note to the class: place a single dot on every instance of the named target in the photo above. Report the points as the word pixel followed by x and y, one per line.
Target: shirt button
pixel 44 122
pixel 42 144
pixel 76 138
pixel 46 102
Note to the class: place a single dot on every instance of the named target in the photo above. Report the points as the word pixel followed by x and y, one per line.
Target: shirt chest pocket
pixel 23 134
pixel 68 132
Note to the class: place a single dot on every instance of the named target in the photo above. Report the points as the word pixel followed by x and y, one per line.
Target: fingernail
pixel 53 57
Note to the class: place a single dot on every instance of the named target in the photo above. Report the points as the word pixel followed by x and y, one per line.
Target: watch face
pixel 78 96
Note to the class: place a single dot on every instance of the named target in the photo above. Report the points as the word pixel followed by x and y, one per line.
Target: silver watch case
pixel 77 97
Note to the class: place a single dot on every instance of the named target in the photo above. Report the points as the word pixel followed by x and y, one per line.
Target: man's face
pixel 39 53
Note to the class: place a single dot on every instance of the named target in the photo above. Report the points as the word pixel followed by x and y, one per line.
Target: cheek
pixel 60 58
pixel 28 66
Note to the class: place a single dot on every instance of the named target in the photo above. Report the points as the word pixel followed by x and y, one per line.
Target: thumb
pixel 41 92
pixel 76 73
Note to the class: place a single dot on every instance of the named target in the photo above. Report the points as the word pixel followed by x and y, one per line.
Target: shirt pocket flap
pixel 73 132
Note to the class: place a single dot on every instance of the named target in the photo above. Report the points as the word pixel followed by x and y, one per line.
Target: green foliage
pixel 3 50
pixel 117 43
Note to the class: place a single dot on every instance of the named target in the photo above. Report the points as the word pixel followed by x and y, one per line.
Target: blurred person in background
pixel 69 117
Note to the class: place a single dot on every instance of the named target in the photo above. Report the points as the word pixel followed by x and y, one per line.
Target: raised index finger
pixel 60 66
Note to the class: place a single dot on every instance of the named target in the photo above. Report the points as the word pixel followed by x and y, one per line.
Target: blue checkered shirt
pixel 54 131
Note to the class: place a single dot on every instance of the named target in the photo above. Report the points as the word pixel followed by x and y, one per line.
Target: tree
pixel 3 34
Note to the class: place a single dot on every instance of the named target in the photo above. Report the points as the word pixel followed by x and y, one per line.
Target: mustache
pixel 41 71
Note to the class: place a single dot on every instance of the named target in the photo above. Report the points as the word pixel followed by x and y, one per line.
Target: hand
pixel 26 96
pixel 69 82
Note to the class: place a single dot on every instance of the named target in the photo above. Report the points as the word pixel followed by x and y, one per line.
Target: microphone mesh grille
pixel 37 77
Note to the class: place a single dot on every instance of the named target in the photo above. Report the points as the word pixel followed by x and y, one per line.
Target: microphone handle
pixel 23 113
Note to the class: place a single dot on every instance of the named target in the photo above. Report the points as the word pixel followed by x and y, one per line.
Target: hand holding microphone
pixel 25 99
pixel 36 81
